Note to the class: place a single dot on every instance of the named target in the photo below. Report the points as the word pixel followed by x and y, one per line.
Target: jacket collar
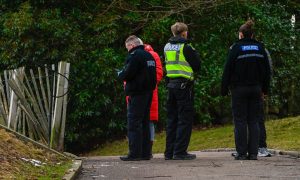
pixel 177 39
pixel 248 40
pixel 135 48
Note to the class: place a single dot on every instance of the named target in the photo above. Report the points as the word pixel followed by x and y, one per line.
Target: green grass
pixel 14 166
pixel 45 172
pixel 283 134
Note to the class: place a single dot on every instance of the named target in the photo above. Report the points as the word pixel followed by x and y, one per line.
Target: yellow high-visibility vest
pixel 176 65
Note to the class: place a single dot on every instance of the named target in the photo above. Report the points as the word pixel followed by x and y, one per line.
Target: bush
pixel 90 35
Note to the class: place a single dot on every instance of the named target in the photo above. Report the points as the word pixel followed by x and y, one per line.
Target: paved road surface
pixel 208 165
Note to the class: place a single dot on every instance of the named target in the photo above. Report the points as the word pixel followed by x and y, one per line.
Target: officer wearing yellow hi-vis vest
pixel 176 65
pixel 182 61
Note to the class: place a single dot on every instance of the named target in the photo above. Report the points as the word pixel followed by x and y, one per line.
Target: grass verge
pixel 283 134
pixel 17 160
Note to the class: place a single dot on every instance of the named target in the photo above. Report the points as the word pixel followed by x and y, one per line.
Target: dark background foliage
pixel 91 34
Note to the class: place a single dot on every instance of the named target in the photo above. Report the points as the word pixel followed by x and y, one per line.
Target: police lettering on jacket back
pixel 152 71
pixel 248 51
pixel 249 66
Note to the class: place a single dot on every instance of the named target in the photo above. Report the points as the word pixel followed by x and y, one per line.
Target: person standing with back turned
pixel 182 61
pixel 247 73
pixel 140 75
pixel 154 103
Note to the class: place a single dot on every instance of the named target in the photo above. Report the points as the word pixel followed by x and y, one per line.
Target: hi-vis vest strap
pixel 176 64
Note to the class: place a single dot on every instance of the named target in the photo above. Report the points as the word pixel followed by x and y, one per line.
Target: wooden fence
pixel 33 102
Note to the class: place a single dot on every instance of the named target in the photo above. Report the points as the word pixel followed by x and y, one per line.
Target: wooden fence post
pixel 13 104
pixel 64 109
pixel 56 120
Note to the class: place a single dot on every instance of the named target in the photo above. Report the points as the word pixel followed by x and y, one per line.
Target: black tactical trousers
pixel 262 129
pixel 180 115
pixel 246 108
pixel 138 125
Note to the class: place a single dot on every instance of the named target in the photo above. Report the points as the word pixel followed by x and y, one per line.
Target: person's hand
pixel 224 92
pixel 118 71
pixel 263 96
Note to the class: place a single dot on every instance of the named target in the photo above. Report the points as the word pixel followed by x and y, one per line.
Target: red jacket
pixel 159 76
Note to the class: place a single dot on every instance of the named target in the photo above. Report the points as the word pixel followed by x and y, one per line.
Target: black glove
pixel 224 92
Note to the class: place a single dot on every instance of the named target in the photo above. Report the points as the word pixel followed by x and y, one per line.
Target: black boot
pixel 149 156
pixel 240 157
pixel 129 158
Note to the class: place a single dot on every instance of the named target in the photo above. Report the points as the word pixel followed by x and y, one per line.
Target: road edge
pixel 295 154
pixel 73 172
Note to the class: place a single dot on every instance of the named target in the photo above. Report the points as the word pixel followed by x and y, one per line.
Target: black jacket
pixel 139 72
pixel 247 64
pixel 191 56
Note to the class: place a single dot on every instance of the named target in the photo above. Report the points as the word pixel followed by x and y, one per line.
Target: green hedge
pixel 91 34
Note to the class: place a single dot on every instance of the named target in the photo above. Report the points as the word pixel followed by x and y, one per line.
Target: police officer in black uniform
pixel 247 74
pixel 140 76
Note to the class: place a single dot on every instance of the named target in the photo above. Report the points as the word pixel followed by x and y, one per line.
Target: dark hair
pixel 247 29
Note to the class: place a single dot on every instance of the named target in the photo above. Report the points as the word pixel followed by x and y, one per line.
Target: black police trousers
pixel 246 108
pixel 262 129
pixel 180 115
pixel 138 125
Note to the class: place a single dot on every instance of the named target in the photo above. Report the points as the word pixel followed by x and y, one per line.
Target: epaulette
pixel 189 44
pixel 132 53
pixel 232 46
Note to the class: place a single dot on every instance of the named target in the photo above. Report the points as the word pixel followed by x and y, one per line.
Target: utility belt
pixel 180 83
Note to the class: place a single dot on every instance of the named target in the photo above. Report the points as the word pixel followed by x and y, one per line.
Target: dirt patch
pixel 16 156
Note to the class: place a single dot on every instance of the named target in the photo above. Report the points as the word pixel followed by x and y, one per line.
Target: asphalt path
pixel 208 165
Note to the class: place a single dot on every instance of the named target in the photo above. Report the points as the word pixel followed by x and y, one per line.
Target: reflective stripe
pixel 184 63
pixel 178 72
pixel 179 67
pixel 250 55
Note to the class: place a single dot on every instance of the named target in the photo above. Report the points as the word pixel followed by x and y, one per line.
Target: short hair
pixel 134 40
pixel 178 28
pixel 247 28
